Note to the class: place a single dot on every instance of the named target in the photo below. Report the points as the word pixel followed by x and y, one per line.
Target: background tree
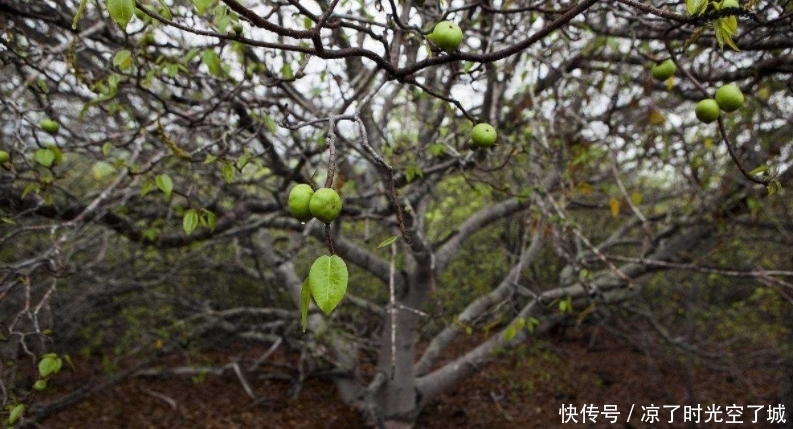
pixel 157 210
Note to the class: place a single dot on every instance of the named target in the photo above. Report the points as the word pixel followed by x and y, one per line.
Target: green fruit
pixel 664 70
pixel 729 97
pixel 299 198
pixel 447 35
pixel 727 4
pixel 4 157
pixel 40 385
pixel 50 126
pixel 483 135
pixel 707 110
pixel 325 205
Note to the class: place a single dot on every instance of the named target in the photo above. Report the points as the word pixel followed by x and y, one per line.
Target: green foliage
pixel 15 412
pixel 50 364
pixel 190 221
pixel 165 184
pixel 121 11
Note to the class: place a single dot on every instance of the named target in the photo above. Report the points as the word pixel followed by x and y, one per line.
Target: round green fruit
pixel 325 205
pixel 707 110
pixel 727 4
pixel 729 97
pixel 4 157
pixel 664 70
pixel 50 126
pixel 447 35
pixel 299 199
pixel 483 135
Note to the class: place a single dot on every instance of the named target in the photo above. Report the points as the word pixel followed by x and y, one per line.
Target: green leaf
pixel 7 220
pixel 80 10
pixel 106 148
pixel 15 413
pixel 202 6
pixel 49 365
pixel 32 187
pixel 437 149
pixel 165 184
pixel 45 157
pixel 190 221
pixel 228 172
pixel 287 72
pixel 243 161
pixel 758 170
pixel 387 241
pixel 305 301
pixel 212 61
pixel 212 219
pixel 510 332
pixel 271 125
pixel 150 234
pixel 102 169
pixel 532 324
pixel 121 11
pixel 165 11
pixel 412 171
pixel 123 59
pixel 328 281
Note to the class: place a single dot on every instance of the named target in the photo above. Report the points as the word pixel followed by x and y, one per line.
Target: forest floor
pixel 525 388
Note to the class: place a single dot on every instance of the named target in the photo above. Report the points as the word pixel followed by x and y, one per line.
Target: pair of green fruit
pixel 728 98
pixel 304 203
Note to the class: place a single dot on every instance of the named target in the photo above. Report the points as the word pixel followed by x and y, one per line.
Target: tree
pixel 184 125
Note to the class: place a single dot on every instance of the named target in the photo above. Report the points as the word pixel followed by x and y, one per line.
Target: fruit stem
pixel 330 141
pixel 331 247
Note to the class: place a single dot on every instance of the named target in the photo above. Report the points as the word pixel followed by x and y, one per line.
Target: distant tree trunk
pixel 398 399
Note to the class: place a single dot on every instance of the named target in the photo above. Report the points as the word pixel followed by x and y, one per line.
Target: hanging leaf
pixel 328 281
pixel 121 11
pixel 190 221
pixel 305 301
pixel 165 184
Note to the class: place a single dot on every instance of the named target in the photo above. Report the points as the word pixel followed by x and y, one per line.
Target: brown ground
pixel 523 389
